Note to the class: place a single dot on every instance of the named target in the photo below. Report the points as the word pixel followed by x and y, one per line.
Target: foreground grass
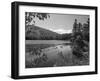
pixel 35 57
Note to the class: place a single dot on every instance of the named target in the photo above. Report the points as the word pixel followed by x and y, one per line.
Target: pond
pixel 49 53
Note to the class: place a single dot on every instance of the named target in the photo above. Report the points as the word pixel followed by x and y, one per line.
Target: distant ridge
pixel 37 33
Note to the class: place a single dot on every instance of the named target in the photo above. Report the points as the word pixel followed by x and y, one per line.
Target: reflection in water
pixel 55 55
pixel 51 55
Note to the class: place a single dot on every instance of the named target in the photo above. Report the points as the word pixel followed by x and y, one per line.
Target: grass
pixel 34 56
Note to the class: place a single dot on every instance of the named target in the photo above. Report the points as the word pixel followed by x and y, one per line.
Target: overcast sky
pixel 61 23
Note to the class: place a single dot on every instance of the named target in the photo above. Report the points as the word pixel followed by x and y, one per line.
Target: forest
pixel 80 39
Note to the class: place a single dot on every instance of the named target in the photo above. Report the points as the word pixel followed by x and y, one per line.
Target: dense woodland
pixel 80 39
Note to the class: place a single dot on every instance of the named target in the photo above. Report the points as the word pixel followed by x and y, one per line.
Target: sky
pixel 61 23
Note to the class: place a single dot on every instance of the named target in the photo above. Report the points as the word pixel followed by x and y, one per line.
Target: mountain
pixel 37 33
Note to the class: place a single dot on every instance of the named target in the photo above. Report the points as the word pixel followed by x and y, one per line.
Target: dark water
pixel 46 41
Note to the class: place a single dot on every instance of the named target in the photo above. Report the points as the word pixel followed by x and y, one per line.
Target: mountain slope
pixel 34 32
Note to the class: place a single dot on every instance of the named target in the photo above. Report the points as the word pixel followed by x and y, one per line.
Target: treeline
pixel 61 37
pixel 37 33
pixel 45 37
pixel 80 39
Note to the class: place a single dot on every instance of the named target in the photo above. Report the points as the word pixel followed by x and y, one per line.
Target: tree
pixel 80 39
pixel 30 16
pixel 88 22
pixel 85 31
pixel 75 26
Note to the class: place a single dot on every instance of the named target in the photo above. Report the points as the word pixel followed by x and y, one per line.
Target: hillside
pixel 36 33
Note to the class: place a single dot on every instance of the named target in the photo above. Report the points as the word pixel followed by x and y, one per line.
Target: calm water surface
pixel 58 55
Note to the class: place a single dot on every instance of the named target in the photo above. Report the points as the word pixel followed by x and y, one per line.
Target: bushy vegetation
pixel 80 40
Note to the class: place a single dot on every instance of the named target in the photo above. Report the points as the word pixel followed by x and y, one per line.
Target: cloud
pixel 69 31
pixel 62 31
